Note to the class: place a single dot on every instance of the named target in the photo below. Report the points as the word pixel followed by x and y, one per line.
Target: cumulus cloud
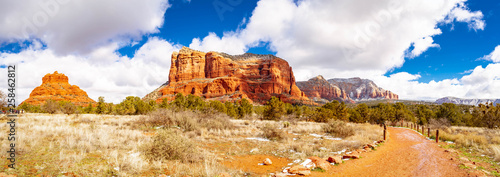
pixel 493 56
pixel 79 26
pixel 462 13
pixel 112 76
pixel 480 83
pixel 344 36
pixel 358 38
pixel 421 45
pixel 228 43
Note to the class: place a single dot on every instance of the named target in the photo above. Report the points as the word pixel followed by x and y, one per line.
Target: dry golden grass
pixel 107 145
pixel 481 140
pixel 338 128
pixel 495 149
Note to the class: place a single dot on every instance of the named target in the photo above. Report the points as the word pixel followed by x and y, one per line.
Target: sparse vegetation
pixel 338 129
pixel 273 132
pixel 274 109
pixel 170 145
pixel 211 130
pixel 50 107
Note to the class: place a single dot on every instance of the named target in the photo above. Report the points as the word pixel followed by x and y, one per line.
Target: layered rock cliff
pixel 226 77
pixel 349 90
pixel 56 87
pixel 320 88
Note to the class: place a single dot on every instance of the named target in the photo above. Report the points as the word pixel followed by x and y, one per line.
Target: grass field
pixel 165 142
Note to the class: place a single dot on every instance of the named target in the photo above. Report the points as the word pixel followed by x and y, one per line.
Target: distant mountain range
pixel 462 101
pixel 348 90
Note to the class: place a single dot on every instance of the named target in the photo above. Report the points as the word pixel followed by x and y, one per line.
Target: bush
pixel 215 121
pixel 50 107
pixel 170 145
pixel 158 118
pixel 495 149
pixel 338 128
pixel 187 122
pixel 273 132
pixel 67 107
pixel 274 109
pixel 286 124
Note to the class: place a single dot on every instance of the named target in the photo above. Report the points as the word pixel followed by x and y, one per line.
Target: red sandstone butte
pixel 56 87
pixel 219 76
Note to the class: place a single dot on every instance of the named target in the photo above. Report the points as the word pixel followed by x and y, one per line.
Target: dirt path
pixel 405 153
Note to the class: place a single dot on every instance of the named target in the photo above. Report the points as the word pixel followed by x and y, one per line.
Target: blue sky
pixel 460 47
pixel 421 50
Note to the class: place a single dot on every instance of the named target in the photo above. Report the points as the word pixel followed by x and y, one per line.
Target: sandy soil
pixel 405 153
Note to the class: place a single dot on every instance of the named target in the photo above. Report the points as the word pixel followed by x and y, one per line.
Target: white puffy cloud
pixel 462 14
pixel 421 45
pixel 228 43
pixel 102 73
pixel 493 56
pixel 79 26
pixel 480 83
pixel 344 36
pixel 356 38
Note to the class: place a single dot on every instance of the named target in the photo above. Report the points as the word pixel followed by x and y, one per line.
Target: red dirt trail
pixel 405 153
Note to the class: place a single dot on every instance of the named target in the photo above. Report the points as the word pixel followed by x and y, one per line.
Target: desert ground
pixel 166 143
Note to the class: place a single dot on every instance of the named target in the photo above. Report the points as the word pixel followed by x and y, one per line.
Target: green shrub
pixel 286 124
pixel 170 145
pixel 274 109
pixel 338 128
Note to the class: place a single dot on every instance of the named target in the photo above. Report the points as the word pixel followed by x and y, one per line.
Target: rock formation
pixel 318 87
pixel 226 77
pixel 349 90
pixel 56 87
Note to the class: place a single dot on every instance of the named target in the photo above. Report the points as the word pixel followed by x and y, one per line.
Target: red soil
pixel 405 153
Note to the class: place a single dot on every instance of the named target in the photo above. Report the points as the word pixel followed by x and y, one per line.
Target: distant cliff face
pixel 318 87
pixel 473 102
pixel 225 77
pixel 56 87
pixel 350 90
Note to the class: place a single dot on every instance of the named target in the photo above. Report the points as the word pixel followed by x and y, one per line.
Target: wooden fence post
pixel 385 132
pixel 437 136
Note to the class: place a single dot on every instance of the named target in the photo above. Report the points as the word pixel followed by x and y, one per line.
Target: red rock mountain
pixel 350 90
pixel 226 77
pixel 56 87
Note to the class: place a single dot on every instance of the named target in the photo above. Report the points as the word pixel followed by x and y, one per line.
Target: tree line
pixel 447 113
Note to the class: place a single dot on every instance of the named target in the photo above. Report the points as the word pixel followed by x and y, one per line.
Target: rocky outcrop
pixel 362 89
pixel 56 87
pixel 226 77
pixel 349 90
pixel 318 87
